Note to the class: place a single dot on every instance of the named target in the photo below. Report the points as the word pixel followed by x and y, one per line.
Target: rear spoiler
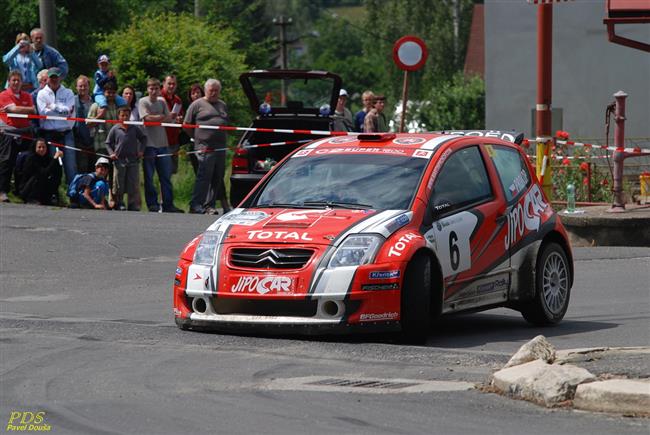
pixel 510 136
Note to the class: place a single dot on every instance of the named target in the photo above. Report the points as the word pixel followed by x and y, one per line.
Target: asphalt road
pixel 87 336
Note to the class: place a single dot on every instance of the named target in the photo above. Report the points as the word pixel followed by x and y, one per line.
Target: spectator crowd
pixel 40 153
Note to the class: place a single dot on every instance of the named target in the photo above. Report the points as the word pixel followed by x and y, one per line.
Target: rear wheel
pixel 552 287
pixel 415 312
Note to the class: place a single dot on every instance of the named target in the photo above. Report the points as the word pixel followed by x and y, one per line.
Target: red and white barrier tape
pixel 174 125
pixel 637 150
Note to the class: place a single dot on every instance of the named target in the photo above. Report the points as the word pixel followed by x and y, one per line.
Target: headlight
pixel 357 250
pixel 204 253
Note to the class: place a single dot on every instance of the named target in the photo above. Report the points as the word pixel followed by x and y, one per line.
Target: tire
pixel 552 287
pixel 415 313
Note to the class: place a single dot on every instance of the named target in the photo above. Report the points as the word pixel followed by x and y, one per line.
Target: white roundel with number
pixel 452 242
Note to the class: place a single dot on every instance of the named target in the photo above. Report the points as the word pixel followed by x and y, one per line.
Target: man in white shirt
pixel 57 100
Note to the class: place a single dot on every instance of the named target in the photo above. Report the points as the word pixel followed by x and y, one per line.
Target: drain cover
pixel 357 383
pixel 365 385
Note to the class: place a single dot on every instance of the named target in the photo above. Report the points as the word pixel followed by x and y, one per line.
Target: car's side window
pixel 463 180
pixel 512 170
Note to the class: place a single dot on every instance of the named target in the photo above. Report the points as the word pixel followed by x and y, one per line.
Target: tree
pixel 154 46
pixel 458 104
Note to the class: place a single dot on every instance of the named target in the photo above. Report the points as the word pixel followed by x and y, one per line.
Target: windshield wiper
pixel 286 205
pixel 339 204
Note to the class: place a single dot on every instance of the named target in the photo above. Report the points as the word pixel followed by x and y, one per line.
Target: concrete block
pixel 540 382
pixel 626 396
pixel 537 348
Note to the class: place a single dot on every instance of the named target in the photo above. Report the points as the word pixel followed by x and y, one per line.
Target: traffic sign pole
pixel 405 91
pixel 409 54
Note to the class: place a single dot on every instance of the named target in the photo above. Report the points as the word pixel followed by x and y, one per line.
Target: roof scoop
pixel 376 137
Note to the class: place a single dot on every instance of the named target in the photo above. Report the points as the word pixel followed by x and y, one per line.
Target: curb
pixel 553 382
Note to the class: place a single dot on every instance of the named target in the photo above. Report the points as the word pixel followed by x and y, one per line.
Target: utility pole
pixel 283 23
pixel 283 52
pixel 198 11
pixel 544 94
pixel 47 18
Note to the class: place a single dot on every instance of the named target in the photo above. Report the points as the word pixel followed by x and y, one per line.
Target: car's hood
pixel 304 226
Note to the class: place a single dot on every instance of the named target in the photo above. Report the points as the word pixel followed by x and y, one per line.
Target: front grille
pixel 262 258
pixel 301 308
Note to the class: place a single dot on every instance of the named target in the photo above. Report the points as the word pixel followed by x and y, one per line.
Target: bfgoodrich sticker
pixel 384 274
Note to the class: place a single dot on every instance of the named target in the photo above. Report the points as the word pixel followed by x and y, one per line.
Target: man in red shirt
pixel 175 106
pixel 12 100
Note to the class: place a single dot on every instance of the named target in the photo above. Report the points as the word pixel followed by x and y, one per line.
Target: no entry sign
pixel 410 53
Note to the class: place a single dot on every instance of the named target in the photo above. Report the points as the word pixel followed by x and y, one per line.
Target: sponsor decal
pixel 197 276
pixel 369 317
pixel 179 271
pixel 525 215
pixel 438 166
pixel 278 235
pixel 248 218
pixel 397 223
pixel 497 285
pixel 177 281
pixel 302 153
pixel 490 151
pixel 485 133
pixel 409 141
pixel 361 150
pixel 27 421
pixel 262 285
pixel 177 312
pixel 387 274
pixel 371 287
pixel 422 154
pixel 298 215
pixel 343 139
pixel 401 244
pixel 519 183
pixel 441 207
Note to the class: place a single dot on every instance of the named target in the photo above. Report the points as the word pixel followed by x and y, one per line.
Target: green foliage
pixel 154 46
pixel 339 49
pixel 457 104
pixel 251 27
pixel 433 21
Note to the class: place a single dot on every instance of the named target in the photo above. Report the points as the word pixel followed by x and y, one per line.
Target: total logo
pixel 278 235
pixel 526 216
pixel 399 246
pixel 263 285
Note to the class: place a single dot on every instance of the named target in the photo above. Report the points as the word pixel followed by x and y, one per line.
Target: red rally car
pixel 381 231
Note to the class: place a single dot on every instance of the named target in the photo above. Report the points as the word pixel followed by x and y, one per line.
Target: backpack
pixel 74 189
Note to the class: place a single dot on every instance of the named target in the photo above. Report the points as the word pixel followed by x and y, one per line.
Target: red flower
pixel 584 166
pixel 562 135
pixel 566 161
pixel 585 181
pixel 604 182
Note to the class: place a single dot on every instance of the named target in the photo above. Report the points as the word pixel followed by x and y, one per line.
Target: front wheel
pixel 415 315
pixel 552 287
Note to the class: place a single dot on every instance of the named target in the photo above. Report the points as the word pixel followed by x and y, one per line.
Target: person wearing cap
pixel 375 120
pixel 23 59
pixel 57 100
pixel 93 187
pixel 103 76
pixel 49 56
pixel 343 120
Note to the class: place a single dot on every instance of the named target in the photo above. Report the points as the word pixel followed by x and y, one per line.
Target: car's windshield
pixel 380 182
pixel 298 93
